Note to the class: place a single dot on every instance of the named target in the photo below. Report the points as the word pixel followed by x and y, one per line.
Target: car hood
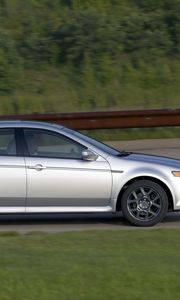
pixel 154 159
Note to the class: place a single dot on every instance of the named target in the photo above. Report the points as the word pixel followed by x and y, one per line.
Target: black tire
pixel 144 203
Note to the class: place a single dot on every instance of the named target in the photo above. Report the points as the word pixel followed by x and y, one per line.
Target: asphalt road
pixel 165 147
pixel 77 222
pixel 70 222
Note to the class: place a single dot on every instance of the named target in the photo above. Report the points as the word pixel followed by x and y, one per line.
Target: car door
pixel 57 177
pixel 12 173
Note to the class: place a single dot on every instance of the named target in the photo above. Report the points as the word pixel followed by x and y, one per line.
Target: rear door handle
pixel 37 167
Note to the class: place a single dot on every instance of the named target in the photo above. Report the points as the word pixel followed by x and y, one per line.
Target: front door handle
pixel 37 167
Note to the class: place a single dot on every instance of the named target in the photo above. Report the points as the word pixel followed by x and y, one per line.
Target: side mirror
pixel 89 155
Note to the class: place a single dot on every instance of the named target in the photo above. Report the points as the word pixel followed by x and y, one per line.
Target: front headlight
pixel 176 173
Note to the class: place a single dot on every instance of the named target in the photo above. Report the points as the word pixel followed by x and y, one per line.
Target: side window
pixel 46 143
pixel 7 142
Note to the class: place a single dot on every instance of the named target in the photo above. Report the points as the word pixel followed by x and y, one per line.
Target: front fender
pixel 123 178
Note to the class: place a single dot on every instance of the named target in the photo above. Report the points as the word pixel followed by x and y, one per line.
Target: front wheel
pixel 144 203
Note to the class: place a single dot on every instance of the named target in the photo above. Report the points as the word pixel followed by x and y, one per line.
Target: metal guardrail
pixel 107 120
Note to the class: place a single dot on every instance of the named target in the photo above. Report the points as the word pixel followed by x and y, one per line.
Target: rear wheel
pixel 144 203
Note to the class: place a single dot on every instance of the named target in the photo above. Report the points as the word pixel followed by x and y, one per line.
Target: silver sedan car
pixel 47 168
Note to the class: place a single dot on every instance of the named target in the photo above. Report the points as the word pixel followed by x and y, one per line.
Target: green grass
pixel 134 134
pixel 54 90
pixel 140 264
pixel 68 90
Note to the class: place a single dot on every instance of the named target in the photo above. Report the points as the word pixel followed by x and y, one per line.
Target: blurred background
pixel 89 55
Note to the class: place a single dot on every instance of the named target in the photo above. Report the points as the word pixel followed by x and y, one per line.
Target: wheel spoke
pixel 143 191
pixel 150 191
pixel 138 214
pixel 132 201
pixel 147 215
pixel 152 212
pixel 135 195
pixel 156 198
pixel 156 205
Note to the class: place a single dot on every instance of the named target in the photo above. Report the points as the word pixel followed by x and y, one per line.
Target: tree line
pixel 93 40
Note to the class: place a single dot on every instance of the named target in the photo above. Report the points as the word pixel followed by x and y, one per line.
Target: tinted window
pixel 7 142
pixel 94 142
pixel 45 143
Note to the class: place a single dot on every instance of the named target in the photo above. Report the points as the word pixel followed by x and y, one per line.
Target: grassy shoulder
pixel 134 134
pixel 141 264
pixel 69 90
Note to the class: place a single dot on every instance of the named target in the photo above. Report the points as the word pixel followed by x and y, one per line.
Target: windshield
pixel 100 145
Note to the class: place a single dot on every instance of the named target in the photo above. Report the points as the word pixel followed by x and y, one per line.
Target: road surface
pixel 165 147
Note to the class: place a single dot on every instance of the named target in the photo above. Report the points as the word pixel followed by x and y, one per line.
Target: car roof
pixel 32 124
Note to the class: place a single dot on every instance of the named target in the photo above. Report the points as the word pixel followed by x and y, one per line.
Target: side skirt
pixel 55 209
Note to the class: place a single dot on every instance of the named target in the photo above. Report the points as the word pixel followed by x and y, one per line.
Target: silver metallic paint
pixel 12 181
pixel 77 181
pixel 68 185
